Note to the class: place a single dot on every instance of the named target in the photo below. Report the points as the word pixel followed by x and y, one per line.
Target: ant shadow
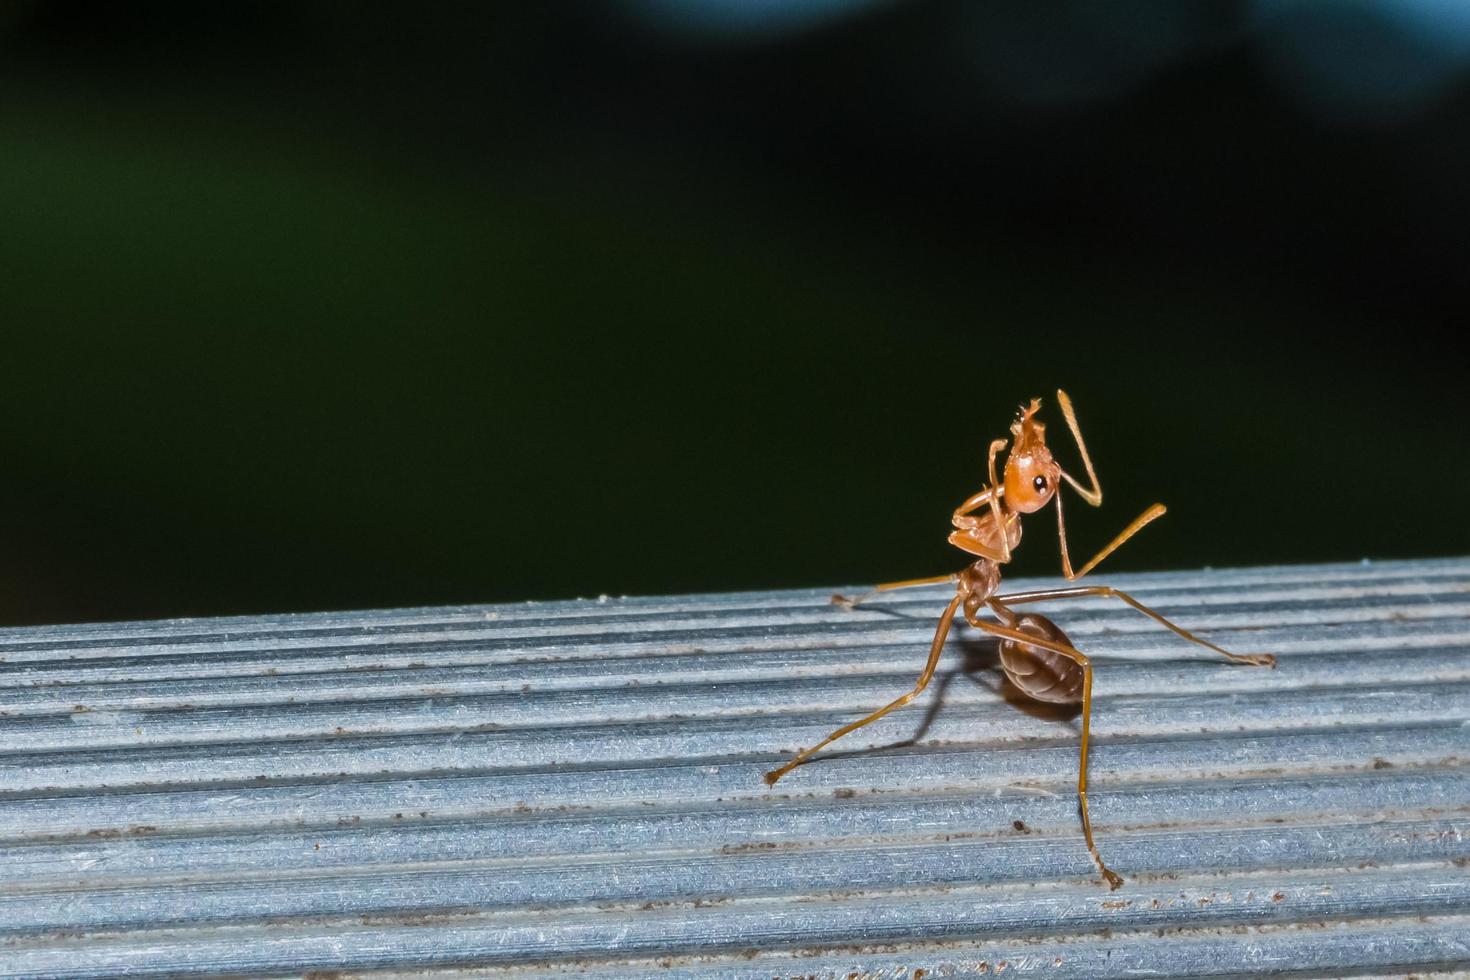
pixel 980 665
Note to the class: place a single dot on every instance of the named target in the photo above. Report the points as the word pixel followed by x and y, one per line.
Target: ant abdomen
pixel 1039 673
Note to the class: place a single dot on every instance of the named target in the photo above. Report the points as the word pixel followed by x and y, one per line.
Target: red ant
pixel 1035 654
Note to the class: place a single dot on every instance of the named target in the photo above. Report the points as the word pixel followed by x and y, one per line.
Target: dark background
pixel 314 305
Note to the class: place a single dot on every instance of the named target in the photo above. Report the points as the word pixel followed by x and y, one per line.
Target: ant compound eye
pixel 1040 484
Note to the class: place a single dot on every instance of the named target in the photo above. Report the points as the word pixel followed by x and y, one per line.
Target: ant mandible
pixel 1035 654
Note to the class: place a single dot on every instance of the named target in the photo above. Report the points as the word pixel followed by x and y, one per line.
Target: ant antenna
pixel 1094 495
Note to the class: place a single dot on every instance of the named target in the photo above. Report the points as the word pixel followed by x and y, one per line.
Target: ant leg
pixel 1048 595
pixel 1113 879
pixel 989 495
pixel 996 446
pixel 940 633
pixel 972 534
pixel 838 599
pixel 964 521
pixel 1156 511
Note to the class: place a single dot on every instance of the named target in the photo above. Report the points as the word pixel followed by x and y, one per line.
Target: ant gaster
pixel 1035 654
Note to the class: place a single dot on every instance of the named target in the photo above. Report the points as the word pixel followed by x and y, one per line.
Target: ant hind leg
pixel 941 632
pixel 1113 879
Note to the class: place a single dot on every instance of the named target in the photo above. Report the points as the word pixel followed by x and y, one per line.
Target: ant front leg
pixel 1049 595
pixel 967 526
pixel 1154 512
pixel 941 632
pixel 996 513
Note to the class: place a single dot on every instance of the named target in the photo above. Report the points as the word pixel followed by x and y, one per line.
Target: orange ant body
pixel 1035 654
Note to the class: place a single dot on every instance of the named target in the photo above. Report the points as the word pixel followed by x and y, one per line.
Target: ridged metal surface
pixel 555 786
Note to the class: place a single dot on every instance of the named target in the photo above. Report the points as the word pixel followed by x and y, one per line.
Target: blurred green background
pixel 314 305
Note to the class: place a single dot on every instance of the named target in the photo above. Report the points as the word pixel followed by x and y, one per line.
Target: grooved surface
pixel 547 786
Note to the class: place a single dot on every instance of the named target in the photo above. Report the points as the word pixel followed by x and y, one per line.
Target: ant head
pixel 1032 474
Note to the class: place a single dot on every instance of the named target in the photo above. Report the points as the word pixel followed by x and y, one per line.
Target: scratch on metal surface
pixel 536 788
